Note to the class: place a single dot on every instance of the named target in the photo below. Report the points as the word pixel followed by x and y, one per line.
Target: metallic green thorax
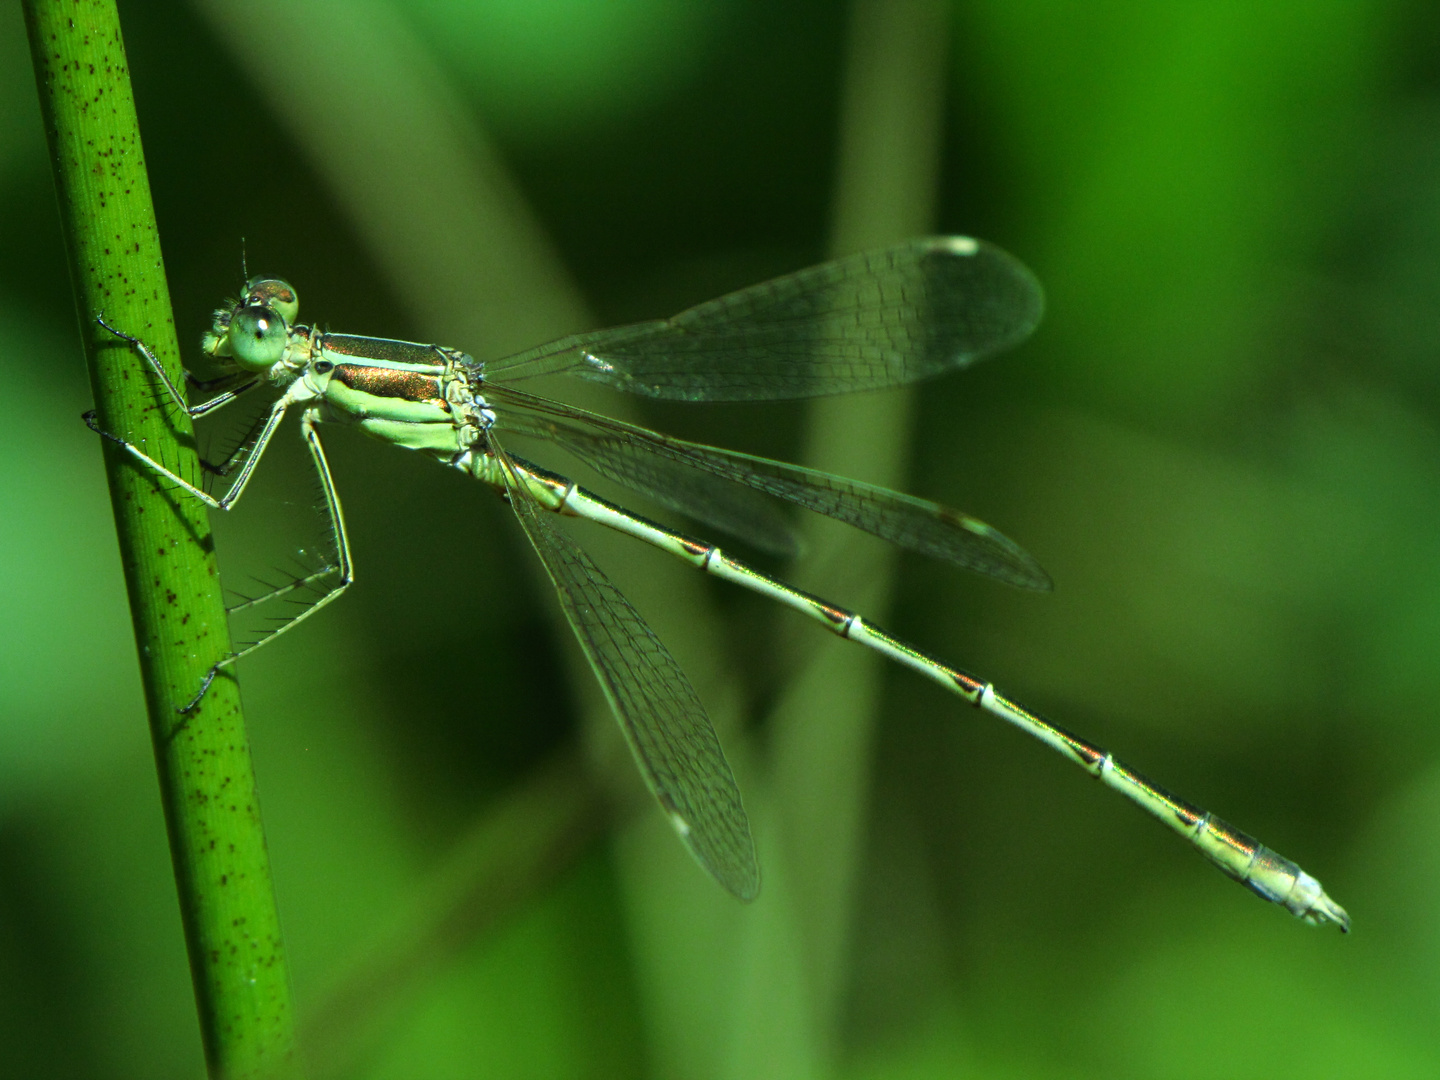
pixel 406 393
pixel 420 397
pixel 411 401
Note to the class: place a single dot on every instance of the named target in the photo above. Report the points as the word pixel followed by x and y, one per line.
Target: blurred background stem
pixel 892 108
pixel 499 863
pixel 207 782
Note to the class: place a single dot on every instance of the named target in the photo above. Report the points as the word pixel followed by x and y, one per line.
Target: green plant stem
pixel 207 782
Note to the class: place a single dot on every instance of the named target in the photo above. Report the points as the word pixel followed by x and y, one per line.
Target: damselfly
pixel 882 319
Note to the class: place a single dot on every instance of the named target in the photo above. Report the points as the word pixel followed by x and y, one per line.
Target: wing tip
pixel 747 888
pixel 956 245
pixel 739 874
pixel 1025 294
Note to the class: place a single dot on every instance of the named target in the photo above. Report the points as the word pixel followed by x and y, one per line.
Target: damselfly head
pixel 254 330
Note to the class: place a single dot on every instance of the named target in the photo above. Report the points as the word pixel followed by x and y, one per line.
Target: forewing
pixel 884 318
pixel 669 481
pixel 640 458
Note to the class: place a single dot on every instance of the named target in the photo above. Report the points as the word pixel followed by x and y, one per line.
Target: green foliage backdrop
pixel 1224 445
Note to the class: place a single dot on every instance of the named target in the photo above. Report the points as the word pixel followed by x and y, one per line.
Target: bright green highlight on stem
pixel 206 778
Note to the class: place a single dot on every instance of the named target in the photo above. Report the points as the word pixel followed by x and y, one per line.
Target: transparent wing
pixel 672 738
pixel 671 482
pixel 648 462
pixel 880 319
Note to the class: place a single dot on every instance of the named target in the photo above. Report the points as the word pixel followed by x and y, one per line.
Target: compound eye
pixel 258 337
pixel 276 294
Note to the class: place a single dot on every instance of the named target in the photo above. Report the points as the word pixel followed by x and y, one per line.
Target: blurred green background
pixel 1224 445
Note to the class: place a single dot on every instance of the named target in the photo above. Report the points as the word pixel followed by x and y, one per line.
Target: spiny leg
pixel 243 381
pixel 1267 873
pixel 205 408
pixel 272 422
pixel 343 570
pixel 243 448
pixel 231 496
pixel 296 394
